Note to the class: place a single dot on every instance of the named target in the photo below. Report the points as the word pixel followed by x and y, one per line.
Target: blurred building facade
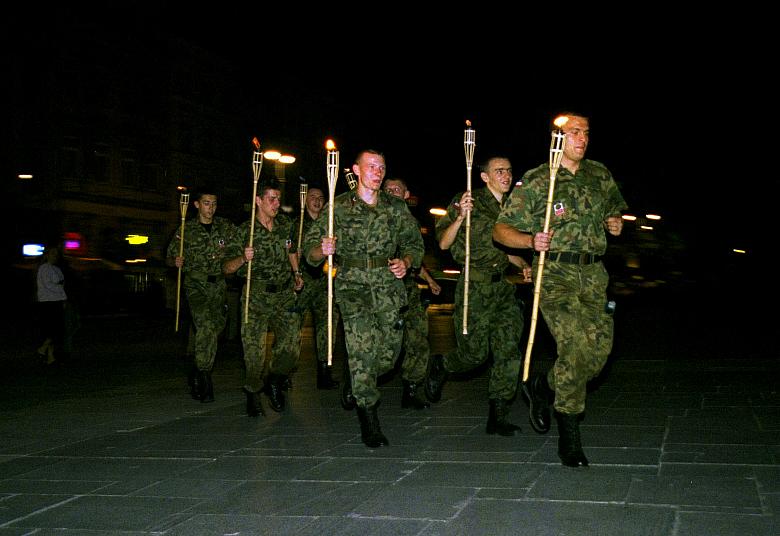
pixel 109 124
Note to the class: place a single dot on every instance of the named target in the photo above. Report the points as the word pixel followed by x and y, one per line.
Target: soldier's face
pixel 269 203
pixel 499 175
pixel 314 200
pixel 370 170
pixel 577 132
pixel 207 206
pixel 396 188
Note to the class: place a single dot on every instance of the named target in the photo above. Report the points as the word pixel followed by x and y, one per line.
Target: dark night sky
pixel 672 101
pixel 673 118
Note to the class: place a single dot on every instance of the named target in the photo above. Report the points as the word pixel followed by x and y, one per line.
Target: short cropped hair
pixel 267 184
pixel 484 166
pixel 367 151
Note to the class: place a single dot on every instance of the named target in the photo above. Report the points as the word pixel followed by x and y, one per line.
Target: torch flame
pixel 330 145
pixel 256 143
pixel 468 123
pixel 561 120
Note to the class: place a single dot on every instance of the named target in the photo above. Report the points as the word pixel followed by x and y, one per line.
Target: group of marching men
pixel 377 250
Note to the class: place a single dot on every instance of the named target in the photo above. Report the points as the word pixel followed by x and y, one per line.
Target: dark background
pixel 681 109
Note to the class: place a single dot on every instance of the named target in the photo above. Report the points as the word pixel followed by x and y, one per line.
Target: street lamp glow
pixel 652 216
pixel 135 239
pixel 286 159
pixel 438 211
pixel 629 217
pixel 272 155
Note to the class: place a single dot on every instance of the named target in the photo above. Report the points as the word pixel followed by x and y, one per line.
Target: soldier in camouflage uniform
pixel 495 317
pixel 314 296
pixel 573 294
pixel 377 241
pixel 205 239
pixel 414 366
pixel 274 279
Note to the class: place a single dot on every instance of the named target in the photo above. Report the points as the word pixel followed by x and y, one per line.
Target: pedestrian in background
pixel 51 297
pixel 573 299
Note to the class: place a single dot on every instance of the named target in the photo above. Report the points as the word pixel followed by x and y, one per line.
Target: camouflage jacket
pixel 484 254
pixel 309 271
pixel 271 262
pixel 581 204
pixel 387 230
pixel 203 251
pixel 412 274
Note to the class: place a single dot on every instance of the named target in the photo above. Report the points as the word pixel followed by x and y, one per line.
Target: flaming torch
pixel 303 192
pixel 557 143
pixel 332 168
pixel 257 165
pixel 469 142
pixel 184 201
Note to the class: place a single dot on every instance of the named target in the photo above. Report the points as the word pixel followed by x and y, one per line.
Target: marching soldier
pixel 495 317
pixel 274 279
pixel 417 350
pixel 573 295
pixel 314 295
pixel 206 237
pixel 377 241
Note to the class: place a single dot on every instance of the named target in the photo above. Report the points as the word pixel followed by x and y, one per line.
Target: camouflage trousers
pixel 495 326
pixel 572 301
pixel 314 298
pixel 417 350
pixel 207 302
pixel 274 310
pixel 371 331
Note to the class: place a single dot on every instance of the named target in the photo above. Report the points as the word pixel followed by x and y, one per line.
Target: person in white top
pixel 50 284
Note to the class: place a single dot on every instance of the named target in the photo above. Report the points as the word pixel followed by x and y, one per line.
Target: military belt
pixel 366 263
pixel 197 276
pixel 485 277
pixel 572 257
pixel 268 287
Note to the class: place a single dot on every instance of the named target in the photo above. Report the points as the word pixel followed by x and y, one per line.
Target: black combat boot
pixel 347 398
pixel 569 444
pixel 254 406
pixel 437 376
pixel 370 432
pixel 539 396
pixel 497 423
pixel 410 398
pixel 193 380
pixel 207 387
pixel 274 388
pixel 324 379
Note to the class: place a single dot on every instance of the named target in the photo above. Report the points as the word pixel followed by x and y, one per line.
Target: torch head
pixel 351 180
pixel 469 141
pixel 560 121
